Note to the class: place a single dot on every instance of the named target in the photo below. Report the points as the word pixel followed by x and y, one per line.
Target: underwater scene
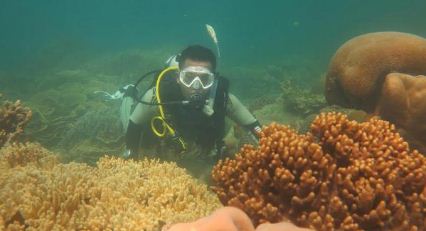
pixel 213 115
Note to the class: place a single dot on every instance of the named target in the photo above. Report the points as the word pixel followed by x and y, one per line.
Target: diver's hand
pixel 128 153
pixel 226 218
pixel 283 226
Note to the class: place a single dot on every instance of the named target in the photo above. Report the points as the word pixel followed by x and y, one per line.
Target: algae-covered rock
pixel 301 101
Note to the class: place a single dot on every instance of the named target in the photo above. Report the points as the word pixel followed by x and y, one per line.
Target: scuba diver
pixel 185 109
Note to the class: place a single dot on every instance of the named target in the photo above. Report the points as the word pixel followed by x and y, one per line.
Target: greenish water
pixel 55 54
pixel 250 32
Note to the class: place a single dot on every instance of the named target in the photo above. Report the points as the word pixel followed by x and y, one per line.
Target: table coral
pixel 39 193
pixel 341 175
pixel 358 68
pixel 13 119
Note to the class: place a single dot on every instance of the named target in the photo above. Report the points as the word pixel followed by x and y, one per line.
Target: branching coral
pixel 37 192
pixel 13 118
pixel 341 175
pixel 20 154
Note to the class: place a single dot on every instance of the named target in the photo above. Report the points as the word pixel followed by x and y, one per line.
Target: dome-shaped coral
pixel 358 68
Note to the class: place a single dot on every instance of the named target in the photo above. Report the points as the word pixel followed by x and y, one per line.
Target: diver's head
pixel 199 54
pixel 196 72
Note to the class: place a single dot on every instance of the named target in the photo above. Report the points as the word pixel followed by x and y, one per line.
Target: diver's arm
pixel 141 116
pixel 242 116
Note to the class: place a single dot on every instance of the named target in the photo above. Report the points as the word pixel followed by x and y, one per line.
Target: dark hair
pixel 198 53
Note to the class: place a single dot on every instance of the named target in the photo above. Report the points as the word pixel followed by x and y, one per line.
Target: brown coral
pixel 13 118
pixel 402 101
pixel 359 66
pixel 341 175
pixel 39 193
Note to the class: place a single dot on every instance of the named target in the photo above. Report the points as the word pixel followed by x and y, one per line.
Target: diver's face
pixel 189 91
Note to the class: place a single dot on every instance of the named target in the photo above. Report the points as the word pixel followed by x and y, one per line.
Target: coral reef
pixel 294 105
pixel 300 101
pixel 21 154
pixel 341 175
pixel 372 72
pixel 13 118
pixel 275 113
pixel 60 93
pixel 93 134
pixel 256 81
pixel 402 101
pixel 39 193
pixel 260 102
pixel 352 114
pixel 62 99
pixel 358 68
